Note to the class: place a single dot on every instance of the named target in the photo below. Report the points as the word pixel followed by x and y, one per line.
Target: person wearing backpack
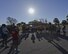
pixel 4 31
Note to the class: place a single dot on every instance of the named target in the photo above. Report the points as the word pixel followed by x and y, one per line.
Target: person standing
pixel 4 31
pixel 64 30
pixel 15 38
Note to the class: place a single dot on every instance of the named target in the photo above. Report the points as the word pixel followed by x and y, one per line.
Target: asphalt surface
pixel 59 45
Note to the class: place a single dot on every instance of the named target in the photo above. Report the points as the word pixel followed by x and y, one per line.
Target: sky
pixel 45 9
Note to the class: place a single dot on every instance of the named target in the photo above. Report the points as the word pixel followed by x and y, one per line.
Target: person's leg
pixel 11 49
pixel 5 41
pixel 16 48
pixel 64 33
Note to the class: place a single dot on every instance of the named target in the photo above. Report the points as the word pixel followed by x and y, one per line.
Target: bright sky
pixel 46 9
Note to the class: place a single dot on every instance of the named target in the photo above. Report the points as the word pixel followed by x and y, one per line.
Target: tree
pixel 67 18
pixel 45 20
pixel 42 20
pixel 51 27
pixel 18 24
pixel 56 21
pixel 34 22
pixel 11 20
pixel 23 23
pixel 64 22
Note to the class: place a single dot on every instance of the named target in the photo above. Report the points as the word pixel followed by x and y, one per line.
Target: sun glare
pixel 31 11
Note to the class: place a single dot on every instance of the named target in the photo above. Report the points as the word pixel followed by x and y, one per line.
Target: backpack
pixel 4 30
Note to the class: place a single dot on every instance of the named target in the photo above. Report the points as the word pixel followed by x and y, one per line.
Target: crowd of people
pixel 17 32
pixel 5 34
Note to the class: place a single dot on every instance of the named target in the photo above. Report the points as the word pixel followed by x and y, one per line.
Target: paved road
pixel 41 47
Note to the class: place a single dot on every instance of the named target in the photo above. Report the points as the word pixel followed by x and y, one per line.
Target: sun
pixel 31 11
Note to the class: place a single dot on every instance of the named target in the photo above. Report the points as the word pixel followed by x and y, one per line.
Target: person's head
pixel 3 25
